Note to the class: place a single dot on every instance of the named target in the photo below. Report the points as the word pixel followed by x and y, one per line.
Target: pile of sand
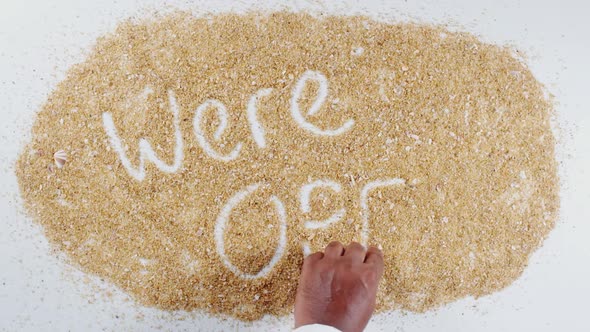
pixel 262 136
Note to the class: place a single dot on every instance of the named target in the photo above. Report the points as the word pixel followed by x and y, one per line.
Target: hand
pixel 338 287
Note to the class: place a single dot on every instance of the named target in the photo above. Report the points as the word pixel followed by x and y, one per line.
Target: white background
pixel 40 39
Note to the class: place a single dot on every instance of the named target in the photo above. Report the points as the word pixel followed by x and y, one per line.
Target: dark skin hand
pixel 338 287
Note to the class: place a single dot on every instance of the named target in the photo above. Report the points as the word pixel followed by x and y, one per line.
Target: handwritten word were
pixel 146 152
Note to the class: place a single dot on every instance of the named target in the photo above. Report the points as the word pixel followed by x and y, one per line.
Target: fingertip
pixel 333 244
pixel 375 249
pixel 374 255
pixel 356 245
pixel 334 249
pixel 355 251
pixel 316 256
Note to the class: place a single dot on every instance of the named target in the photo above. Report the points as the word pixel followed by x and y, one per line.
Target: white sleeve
pixel 316 328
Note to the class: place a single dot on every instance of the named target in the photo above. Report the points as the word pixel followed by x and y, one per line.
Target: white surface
pixel 40 39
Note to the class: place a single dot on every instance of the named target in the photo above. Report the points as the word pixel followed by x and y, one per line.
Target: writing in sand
pixel 147 153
